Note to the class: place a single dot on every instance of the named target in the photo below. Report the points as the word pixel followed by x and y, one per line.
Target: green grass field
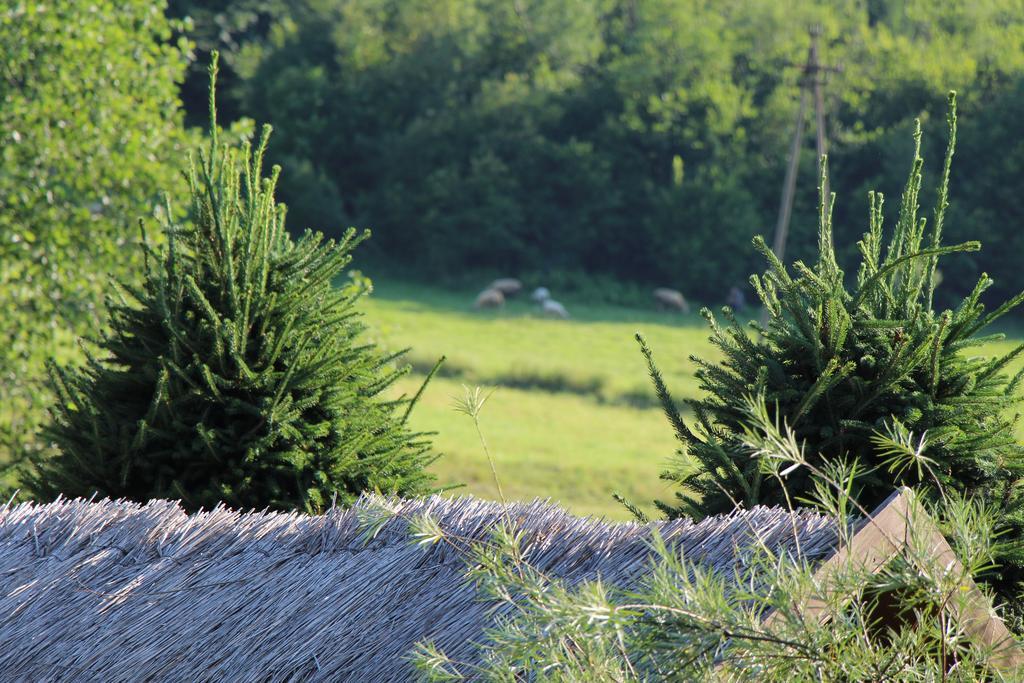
pixel 573 416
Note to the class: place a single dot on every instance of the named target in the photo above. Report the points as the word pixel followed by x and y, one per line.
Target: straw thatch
pixel 116 591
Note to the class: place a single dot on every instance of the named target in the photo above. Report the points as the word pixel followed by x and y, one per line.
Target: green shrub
pixel 236 372
pixel 845 368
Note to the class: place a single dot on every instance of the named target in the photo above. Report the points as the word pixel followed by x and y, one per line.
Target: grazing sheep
pixel 736 300
pixel 670 299
pixel 489 298
pixel 553 309
pixel 540 294
pixel 549 306
pixel 509 286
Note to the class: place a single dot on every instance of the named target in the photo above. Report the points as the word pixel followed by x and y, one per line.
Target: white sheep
pixel 489 298
pixel 554 309
pixel 508 286
pixel 671 299
pixel 549 306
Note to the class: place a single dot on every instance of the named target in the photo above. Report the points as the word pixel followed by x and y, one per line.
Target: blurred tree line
pixel 639 139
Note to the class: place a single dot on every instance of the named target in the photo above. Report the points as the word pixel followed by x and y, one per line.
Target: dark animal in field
pixel 670 300
pixel 736 300
pixel 489 298
pixel 508 286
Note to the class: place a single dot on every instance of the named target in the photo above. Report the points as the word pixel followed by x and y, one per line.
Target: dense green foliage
pixel 541 136
pixel 89 110
pixel 237 371
pixel 845 367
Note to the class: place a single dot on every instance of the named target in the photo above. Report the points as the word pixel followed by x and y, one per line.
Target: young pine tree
pixel 859 374
pixel 236 372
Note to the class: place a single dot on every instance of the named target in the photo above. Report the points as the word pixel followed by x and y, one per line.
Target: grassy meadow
pixel 573 416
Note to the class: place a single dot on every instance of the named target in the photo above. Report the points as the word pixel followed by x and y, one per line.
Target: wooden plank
pixel 975 611
pixel 885 535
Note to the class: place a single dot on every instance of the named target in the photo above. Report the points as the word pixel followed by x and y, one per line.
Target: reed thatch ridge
pixel 118 591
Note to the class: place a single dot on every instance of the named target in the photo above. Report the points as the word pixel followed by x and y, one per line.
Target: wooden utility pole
pixel 811 82
pixel 789 184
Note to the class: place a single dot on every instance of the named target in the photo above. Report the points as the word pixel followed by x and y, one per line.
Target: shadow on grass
pixel 548 381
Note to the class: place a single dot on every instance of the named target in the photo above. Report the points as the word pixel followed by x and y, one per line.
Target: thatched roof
pixel 117 591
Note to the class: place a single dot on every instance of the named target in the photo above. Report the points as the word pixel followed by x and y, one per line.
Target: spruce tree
pixel 856 372
pixel 237 371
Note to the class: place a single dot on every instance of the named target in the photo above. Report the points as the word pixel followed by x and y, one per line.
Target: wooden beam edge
pixel 882 537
